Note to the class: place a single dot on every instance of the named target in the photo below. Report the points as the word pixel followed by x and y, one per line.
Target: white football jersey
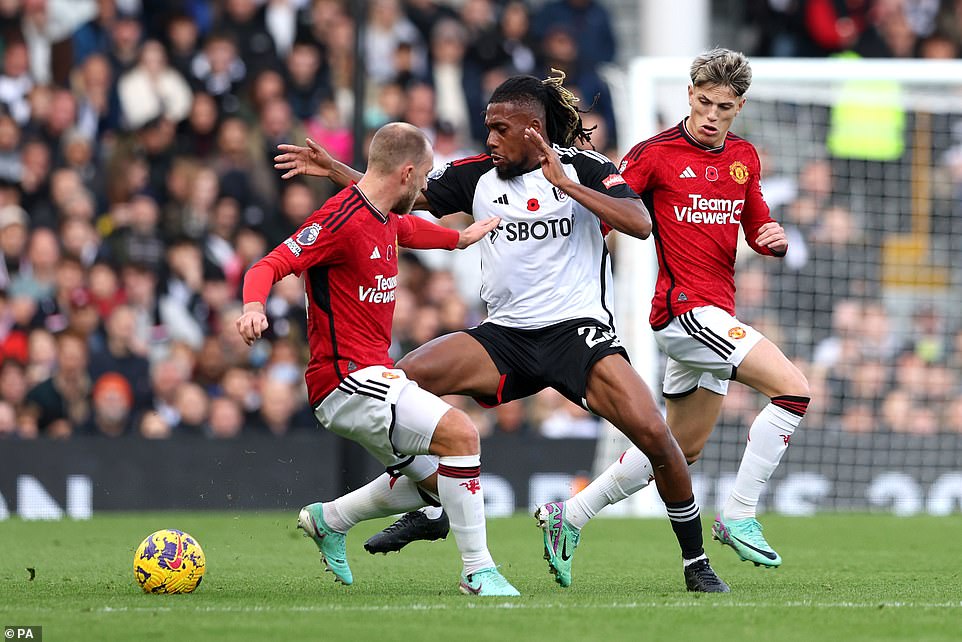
pixel 547 261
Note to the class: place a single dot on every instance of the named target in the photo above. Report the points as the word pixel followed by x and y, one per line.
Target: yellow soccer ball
pixel 169 561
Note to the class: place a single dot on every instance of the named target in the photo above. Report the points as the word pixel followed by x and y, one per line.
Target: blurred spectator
pixel 124 354
pixel 13 383
pixel 307 80
pixel 518 47
pixel 512 419
pixel 280 403
pixel 8 421
pixel 197 135
pixel 588 20
pixel 457 82
pixel 153 89
pixel 388 27
pixel 245 20
pixel 61 404
pixel 13 242
pixel 330 131
pixel 182 38
pixel 226 418
pixel 193 406
pixel 424 14
pixel 220 72
pixel 112 404
pixel 15 81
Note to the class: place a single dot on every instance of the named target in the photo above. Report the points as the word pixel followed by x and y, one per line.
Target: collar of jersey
pixel 370 206
pixel 693 141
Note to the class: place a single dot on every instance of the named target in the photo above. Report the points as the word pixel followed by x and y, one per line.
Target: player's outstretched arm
pixel 477 231
pixel 627 215
pixel 313 160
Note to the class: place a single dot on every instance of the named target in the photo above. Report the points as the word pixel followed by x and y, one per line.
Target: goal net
pixel 862 164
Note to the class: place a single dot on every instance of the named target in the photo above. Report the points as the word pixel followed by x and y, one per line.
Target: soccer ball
pixel 169 561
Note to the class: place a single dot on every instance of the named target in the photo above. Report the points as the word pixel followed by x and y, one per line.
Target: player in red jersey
pixel 347 251
pixel 701 183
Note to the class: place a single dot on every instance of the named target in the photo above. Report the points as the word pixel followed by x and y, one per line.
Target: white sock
pixel 767 441
pixel 432 512
pixel 381 497
pixel 629 474
pixel 460 490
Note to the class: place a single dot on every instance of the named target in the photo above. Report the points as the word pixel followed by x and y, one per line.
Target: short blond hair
pixel 395 145
pixel 722 67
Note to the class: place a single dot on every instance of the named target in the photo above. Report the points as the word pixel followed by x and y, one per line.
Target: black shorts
pixel 558 356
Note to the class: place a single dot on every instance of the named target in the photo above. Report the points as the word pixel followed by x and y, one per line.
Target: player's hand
pixel 477 231
pixel 548 157
pixel 772 235
pixel 252 323
pixel 312 160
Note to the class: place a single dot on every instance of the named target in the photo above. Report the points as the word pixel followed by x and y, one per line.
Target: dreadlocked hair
pixel 563 123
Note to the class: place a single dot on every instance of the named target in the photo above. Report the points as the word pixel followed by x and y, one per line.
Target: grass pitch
pixel 845 577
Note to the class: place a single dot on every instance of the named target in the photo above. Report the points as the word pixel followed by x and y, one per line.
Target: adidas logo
pixel 501 200
pixel 376 254
pixel 688 173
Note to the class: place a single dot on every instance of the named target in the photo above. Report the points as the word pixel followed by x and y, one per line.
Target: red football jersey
pixel 697 197
pixel 348 252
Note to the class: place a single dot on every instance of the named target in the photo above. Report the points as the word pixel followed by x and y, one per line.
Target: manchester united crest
pixel 739 172
pixel 737 332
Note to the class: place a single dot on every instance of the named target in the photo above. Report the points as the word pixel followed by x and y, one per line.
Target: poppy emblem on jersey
pixel 711 173
pixel 533 205
pixel 612 180
pixel 739 172
pixel 309 234
pixel 389 375
pixel 737 332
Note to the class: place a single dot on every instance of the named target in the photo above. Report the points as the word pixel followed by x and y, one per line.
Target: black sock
pixel 686 522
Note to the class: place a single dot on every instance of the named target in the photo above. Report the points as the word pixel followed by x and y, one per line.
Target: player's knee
pixel 691 456
pixel 655 438
pixel 796 385
pixel 455 435
pixel 415 367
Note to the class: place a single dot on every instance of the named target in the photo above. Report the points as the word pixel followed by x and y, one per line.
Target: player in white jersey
pixel 546 281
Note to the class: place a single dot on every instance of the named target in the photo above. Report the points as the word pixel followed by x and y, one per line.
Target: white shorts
pixel 705 346
pixel 388 414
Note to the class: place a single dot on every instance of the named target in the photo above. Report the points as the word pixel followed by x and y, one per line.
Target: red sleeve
pixel 637 172
pixel 263 275
pixel 416 233
pixel 755 212
pixel 310 245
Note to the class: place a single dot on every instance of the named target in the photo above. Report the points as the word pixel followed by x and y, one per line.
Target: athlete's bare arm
pixel 628 215
pixel 314 160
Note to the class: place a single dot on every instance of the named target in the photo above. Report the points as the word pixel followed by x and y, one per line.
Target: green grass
pixel 845 577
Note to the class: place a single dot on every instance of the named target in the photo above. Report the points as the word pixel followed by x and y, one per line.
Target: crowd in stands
pixel 867 28
pixel 136 187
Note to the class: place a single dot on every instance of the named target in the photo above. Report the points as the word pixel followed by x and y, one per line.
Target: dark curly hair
pixel 562 117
